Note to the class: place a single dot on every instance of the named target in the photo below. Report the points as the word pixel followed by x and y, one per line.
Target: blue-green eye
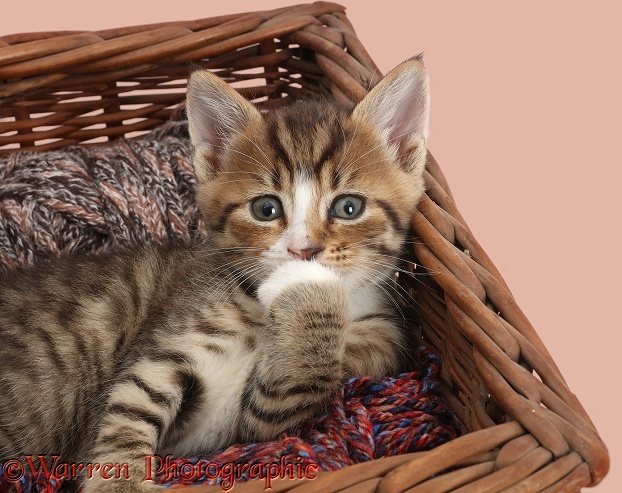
pixel 267 208
pixel 347 207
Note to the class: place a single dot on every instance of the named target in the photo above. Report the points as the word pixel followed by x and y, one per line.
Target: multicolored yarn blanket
pixel 130 192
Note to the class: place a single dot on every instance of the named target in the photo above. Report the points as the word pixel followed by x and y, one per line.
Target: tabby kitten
pixel 184 350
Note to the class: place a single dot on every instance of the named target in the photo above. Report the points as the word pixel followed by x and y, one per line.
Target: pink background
pixel 526 108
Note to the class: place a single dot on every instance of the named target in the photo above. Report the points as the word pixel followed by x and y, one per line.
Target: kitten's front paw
pixel 291 273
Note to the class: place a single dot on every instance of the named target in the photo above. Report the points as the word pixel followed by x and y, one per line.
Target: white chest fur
pixel 365 299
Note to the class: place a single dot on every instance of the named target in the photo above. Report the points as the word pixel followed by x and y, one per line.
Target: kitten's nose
pixel 305 253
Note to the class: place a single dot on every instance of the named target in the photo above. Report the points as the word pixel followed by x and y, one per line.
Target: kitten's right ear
pixel 216 112
pixel 399 107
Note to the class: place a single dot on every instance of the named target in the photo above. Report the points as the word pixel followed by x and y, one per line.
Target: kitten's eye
pixel 267 208
pixel 347 207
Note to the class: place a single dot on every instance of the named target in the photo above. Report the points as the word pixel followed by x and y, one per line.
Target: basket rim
pixel 502 339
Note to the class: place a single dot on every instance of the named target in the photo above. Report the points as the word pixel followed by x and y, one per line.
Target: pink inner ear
pixel 398 106
pixel 408 121
pixel 215 113
pixel 208 122
pixel 205 126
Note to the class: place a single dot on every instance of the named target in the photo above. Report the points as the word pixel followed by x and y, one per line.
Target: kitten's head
pixel 312 180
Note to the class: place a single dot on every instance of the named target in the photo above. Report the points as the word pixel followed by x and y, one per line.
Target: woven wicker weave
pixel 524 430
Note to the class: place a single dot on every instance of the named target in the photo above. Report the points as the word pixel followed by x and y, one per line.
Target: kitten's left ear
pixel 216 112
pixel 399 108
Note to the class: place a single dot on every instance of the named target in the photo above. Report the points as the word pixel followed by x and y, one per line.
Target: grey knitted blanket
pixel 93 199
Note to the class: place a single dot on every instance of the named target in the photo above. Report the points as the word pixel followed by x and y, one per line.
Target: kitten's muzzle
pixel 305 253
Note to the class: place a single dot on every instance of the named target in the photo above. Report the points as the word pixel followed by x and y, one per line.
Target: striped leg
pixel 144 403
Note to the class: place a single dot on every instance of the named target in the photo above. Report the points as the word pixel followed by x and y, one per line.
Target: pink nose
pixel 305 253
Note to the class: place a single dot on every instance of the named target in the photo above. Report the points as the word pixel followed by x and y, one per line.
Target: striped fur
pixel 185 350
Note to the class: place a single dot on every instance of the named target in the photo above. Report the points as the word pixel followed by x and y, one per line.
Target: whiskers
pixel 379 268
pixel 242 267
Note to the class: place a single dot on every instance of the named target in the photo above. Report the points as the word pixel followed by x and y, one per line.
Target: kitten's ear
pixel 216 112
pixel 399 107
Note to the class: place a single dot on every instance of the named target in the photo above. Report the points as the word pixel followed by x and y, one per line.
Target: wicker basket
pixel 524 430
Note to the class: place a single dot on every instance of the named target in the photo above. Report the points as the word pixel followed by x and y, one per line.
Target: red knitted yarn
pixel 368 419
